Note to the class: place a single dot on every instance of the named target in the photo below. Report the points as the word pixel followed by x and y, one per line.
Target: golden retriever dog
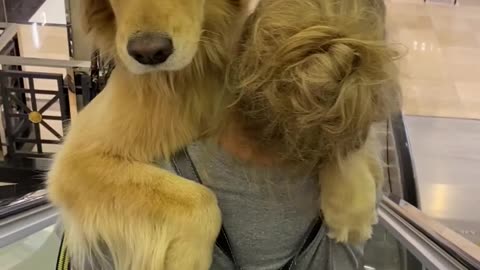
pixel 302 80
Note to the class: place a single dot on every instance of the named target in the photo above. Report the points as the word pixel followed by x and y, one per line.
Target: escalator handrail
pixel 22 204
pixel 459 248
pixel 43 62
pixel 406 166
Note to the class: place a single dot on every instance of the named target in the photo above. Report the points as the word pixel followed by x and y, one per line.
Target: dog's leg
pixel 158 222
pixel 349 193
pixel 121 212
pixel 140 216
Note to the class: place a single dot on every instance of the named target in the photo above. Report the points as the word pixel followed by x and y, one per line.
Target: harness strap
pixel 184 167
pixel 63 260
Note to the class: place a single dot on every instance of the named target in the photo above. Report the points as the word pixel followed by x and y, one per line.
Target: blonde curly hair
pixel 309 85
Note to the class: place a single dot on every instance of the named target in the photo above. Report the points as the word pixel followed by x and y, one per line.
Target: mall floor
pixel 440 77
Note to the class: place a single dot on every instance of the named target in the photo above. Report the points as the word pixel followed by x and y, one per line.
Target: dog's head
pixel 151 35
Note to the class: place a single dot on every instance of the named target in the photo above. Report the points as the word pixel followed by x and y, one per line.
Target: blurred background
pixel 432 149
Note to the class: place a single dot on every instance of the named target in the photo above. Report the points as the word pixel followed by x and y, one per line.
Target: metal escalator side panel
pixel 405 164
pixel 15 228
pixel 434 245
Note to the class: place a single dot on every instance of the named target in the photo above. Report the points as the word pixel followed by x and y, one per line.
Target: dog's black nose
pixel 150 48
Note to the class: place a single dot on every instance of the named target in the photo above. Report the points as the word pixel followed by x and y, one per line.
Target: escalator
pixel 404 239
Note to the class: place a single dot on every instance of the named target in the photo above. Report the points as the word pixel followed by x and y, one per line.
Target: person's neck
pixel 236 141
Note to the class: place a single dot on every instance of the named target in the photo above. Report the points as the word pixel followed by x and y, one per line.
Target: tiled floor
pixel 440 71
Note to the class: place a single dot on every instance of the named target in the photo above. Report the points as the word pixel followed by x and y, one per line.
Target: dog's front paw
pixel 191 248
pixel 348 227
pixel 143 227
pixel 348 205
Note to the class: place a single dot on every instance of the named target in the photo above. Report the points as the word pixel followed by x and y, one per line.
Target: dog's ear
pixel 98 20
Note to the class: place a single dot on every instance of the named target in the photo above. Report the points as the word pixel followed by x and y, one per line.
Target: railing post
pixel 80 45
pixel 72 96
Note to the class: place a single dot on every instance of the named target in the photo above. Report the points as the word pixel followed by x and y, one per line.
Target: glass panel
pixel 384 252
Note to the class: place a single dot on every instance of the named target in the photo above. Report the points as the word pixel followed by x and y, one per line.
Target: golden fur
pixel 308 86
pixel 110 195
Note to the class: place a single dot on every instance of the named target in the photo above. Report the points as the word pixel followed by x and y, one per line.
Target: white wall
pixel 52 11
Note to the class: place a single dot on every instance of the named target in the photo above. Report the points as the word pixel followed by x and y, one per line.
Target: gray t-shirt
pixel 267 214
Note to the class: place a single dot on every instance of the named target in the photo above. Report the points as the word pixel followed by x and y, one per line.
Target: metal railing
pixel 26 105
pixel 434 245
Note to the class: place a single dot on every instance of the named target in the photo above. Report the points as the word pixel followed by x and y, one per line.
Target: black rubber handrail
pixel 407 174
pixel 22 204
